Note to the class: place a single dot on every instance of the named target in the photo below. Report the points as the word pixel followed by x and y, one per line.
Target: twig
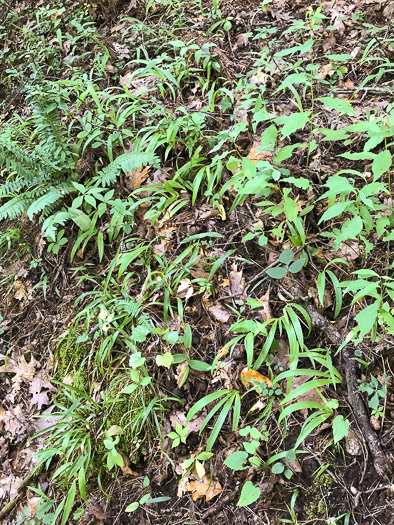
pixel 11 505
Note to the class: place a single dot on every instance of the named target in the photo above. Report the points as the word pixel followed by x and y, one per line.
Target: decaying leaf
pixel 134 179
pixel 220 313
pixel 255 376
pixel 237 282
pixel 185 289
pixel 194 425
pixel 204 487
pixel 265 311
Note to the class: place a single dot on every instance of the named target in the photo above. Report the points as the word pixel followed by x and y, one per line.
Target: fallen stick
pixel 381 462
pixel 10 506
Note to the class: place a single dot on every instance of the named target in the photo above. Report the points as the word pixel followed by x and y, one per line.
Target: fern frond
pixel 127 162
pixel 53 139
pixel 53 196
pixel 18 184
pixel 16 206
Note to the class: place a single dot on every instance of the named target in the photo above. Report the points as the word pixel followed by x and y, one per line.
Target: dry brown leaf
pixel 21 293
pixel 118 27
pixel 237 282
pixel 180 417
pixel 265 311
pixel 121 50
pixel 134 179
pixel 224 283
pixel 220 313
pixel 204 487
pixel 185 289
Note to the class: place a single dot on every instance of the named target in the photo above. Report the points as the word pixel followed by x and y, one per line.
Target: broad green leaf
pixel 165 360
pixel 268 139
pixel 367 318
pixel 249 494
pixel 199 365
pixel 286 152
pixel 277 272
pixel 293 122
pixel 338 104
pixel 286 256
pixel 278 468
pixel 352 227
pixel 340 428
pixel 236 460
pixel 132 507
pixel 296 266
pixel 381 163
pixel 334 211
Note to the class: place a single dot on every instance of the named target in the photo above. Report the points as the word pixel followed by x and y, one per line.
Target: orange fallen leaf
pixel 204 487
pixel 224 283
pixel 254 376
pixel 134 179
pixel 260 155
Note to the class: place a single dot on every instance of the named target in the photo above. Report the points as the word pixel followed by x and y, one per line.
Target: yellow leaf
pixel 200 469
pixel 255 376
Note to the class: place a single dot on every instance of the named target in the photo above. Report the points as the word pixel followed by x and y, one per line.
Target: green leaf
pixel 204 402
pixel 165 360
pixel 351 228
pixel 199 365
pixel 278 468
pixel 236 460
pixel 69 502
pixel 132 507
pixel 338 104
pixel 297 265
pixel 249 494
pixel 81 219
pixel 381 163
pixel 321 286
pixel 286 256
pixel 277 272
pixel 199 236
pixel 268 139
pixel 334 211
pixel 171 337
pixel 293 122
pixel 367 318
pixel 340 428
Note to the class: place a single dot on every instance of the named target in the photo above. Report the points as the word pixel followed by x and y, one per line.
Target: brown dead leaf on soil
pixel 219 313
pixel 237 282
pixel 204 487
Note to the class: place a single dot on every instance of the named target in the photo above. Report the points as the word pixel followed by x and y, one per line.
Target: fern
pixel 127 163
pixel 37 175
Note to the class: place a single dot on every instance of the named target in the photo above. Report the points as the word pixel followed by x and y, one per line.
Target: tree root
pixel 382 463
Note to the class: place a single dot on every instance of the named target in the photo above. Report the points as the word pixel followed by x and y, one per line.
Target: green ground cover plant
pixel 223 237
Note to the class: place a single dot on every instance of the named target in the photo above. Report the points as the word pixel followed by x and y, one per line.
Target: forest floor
pixel 207 336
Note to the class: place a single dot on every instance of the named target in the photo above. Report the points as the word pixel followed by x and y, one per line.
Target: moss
pixel 324 481
pixel 68 358
pixel 316 506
